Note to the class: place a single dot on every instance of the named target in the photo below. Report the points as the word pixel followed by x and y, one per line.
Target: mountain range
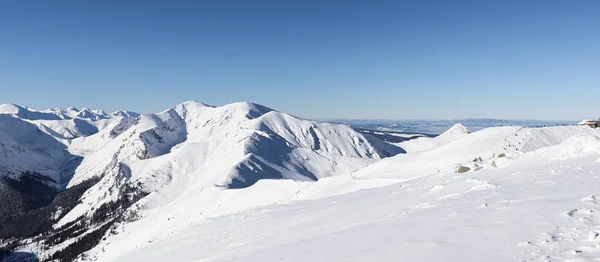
pixel 244 182
pixel 438 126
pixel 122 157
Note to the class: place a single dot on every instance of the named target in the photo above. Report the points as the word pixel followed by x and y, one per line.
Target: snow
pixel 23 147
pixel 65 124
pixel 548 136
pixel 125 114
pixel 471 218
pixel 243 182
pixel 9 109
pixel 390 212
pixel 38 141
pixel 188 154
pixel 423 143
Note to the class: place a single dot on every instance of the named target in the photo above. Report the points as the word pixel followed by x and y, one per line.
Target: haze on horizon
pixel 314 59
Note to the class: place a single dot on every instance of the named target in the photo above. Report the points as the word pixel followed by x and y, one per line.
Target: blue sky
pixel 315 59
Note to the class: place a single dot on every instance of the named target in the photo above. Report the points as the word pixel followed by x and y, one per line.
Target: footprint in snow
pixel 578 239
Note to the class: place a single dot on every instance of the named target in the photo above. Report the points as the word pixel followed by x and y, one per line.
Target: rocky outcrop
pixel 463 169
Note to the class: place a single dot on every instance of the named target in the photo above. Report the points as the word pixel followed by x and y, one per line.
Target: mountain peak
pixel 99 112
pixel 194 103
pixel 10 108
pixel 457 129
pixel 125 113
pixel 87 113
pixel 253 110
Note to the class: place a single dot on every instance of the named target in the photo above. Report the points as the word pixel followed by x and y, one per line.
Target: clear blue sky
pixel 315 59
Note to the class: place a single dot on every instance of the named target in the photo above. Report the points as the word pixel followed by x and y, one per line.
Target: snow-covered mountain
pixel 198 182
pixel 456 132
pixel 38 141
pixel 438 126
pixel 66 123
pixel 24 147
pixel 530 194
pixel 36 164
pixel 530 210
pixel 176 158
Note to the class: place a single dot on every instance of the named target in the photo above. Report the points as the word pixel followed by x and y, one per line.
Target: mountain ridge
pixel 188 149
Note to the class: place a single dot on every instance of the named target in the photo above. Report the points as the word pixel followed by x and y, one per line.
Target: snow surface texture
pixel 519 206
pixel 423 143
pixel 237 183
pixel 187 154
pixel 23 147
pixel 66 123
pixel 37 141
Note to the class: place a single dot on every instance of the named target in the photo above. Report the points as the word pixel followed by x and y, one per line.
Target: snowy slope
pixel 476 151
pixel 36 141
pixel 24 147
pixel 243 182
pixel 456 132
pixel 424 216
pixel 549 136
pixel 278 145
pixel 65 124
pixel 450 155
pixel 193 146
pixel 526 212
pixel 190 160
